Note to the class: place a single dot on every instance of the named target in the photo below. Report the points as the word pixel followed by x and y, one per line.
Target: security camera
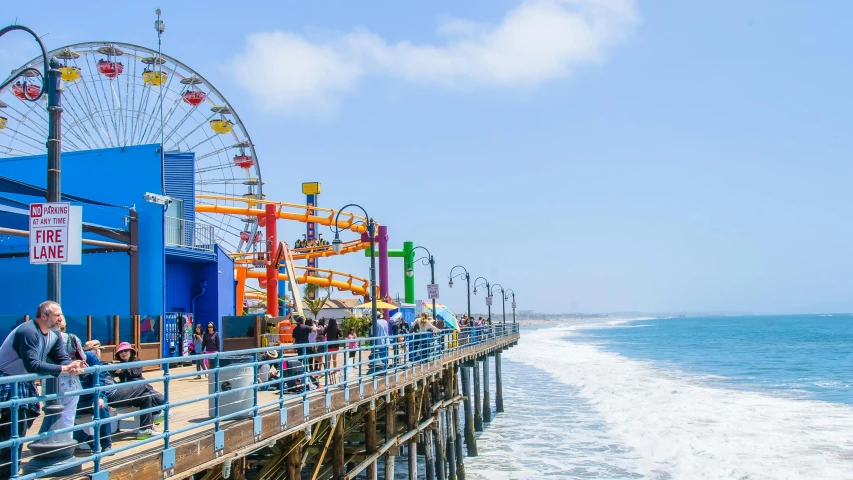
pixel 158 199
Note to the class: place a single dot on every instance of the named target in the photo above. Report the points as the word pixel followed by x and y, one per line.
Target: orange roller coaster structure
pixel 345 281
pixel 288 211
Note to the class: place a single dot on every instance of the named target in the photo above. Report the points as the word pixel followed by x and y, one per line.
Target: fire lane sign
pixel 56 233
pixel 432 291
pixel 489 301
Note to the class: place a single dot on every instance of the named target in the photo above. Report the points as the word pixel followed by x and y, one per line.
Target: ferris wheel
pixel 119 95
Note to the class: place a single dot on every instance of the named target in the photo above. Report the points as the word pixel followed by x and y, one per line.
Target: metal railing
pixel 236 387
pixel 189 234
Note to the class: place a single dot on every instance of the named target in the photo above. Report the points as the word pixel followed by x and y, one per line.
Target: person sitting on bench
pixel 125 354
pixel 139 396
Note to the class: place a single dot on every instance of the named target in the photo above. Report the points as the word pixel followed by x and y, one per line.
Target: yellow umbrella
pixel 380 305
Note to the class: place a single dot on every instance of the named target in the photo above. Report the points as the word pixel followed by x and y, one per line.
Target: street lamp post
pixel 50 86
pixel 488 293
pixel 411 270
pixel 467 281
pixel 58 448
pixel 337 245
pixel 503 298
pixel 509 290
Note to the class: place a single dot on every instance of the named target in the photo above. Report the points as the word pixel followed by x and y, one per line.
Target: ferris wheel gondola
pixel 119 95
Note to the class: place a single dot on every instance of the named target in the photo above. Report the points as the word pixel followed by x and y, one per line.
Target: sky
pixel 592 155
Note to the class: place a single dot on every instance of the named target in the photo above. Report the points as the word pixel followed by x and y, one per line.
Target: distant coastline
pixel 538 322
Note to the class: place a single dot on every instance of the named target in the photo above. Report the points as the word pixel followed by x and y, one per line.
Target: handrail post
pixel 255 380
pixel 96 415
pixel 166 382
pixel 14 428
pixel 216 391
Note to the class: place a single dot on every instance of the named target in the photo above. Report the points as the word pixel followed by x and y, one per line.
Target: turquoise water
pixel 742 398
pixel 800 356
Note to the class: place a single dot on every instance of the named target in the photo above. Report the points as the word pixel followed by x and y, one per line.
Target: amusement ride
pixel 120 95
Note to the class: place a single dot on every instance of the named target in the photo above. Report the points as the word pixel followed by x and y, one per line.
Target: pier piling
pixel 370 440
pixel 499 388
pixel 470 436
pixel 449 424
pixel 390 433
pixel 294 460
pixel 429 457
pixel 437 432
pixel 460 457
pixel 411 421
pixel 338 459
pixel 487 403
pixel 478 412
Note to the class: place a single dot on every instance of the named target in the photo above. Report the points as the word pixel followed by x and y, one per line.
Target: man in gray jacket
pixel 32 347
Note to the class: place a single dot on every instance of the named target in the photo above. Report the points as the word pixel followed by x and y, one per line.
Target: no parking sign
pixel 56 233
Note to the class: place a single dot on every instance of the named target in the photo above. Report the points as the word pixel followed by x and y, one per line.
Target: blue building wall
pixel 180 180
pixel 227 296
pixel 178 286
pixel 101 285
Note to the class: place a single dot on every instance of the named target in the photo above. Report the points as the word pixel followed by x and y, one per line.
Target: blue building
pixel 180 276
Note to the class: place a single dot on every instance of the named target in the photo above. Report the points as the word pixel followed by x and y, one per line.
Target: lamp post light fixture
pixel 503 298
pixel 509 291
pixel 337 245
pixel 464 273
pixel 488 293
pixel 428 260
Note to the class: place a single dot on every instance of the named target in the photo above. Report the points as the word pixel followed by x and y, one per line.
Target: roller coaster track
pixel 357 285
pixel 300 213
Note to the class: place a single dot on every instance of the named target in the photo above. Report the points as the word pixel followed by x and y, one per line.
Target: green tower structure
pixel 409 282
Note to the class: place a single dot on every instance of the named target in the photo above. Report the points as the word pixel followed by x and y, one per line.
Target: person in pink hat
pixel 125 353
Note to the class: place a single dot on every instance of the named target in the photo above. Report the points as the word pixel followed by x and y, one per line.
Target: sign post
pixel 432 290
pixel 56 233
pixel 513 305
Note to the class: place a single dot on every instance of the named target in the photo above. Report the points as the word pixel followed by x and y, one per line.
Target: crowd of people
pixel 305 242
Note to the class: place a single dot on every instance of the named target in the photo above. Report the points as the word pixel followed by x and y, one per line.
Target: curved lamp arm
pixel 424 260
pixel 463 273
pixel 336 243
pixel 22 71
pixel 486 284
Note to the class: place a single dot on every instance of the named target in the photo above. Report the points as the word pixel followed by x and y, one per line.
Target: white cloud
pixel 536 42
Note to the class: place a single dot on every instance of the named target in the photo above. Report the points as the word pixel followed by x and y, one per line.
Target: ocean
pixel 750 397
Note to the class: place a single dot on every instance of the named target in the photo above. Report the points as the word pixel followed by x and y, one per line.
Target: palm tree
pixel 316 304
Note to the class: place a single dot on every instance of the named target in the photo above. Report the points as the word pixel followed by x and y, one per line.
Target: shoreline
pixel 555 322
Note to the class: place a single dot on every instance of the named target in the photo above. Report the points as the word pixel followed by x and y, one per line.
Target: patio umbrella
pixel 445 314
pixel 380 305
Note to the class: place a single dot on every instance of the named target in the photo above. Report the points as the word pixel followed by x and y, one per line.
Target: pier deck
pixel 200 449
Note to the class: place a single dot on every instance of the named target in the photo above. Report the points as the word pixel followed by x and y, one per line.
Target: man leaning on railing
pixel 27 350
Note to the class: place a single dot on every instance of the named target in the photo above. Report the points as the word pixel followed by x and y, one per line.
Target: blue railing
pixel 370 357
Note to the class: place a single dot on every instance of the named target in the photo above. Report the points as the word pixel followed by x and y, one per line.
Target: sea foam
pixel 677 424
